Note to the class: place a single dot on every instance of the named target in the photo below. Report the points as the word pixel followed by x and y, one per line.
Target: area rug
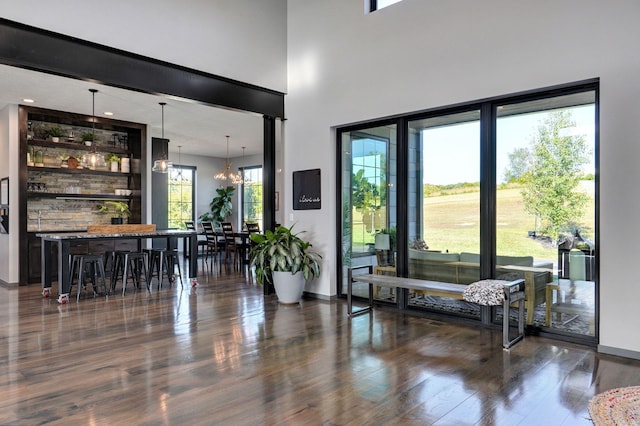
pixel 619 406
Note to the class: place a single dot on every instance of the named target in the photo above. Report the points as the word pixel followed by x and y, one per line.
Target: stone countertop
pixel 85 235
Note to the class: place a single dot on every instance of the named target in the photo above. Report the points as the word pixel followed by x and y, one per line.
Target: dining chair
pixel 230 243
pixel 247 243
pixel 211 241
pixel 202 244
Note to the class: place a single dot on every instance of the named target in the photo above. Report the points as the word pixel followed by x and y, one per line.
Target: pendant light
pixel 227 175
pixel 244 177
pixel 93 159
pixel 162 164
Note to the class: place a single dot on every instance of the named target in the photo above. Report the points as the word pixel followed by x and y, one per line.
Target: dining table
pixel 64 240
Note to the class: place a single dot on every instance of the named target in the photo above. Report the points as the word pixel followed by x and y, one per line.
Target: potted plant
pixel 117 209
pixel 221 206
pixel 87 138
pixel 113 160
pixel 64 163
pixel 286 260
pixel 55 133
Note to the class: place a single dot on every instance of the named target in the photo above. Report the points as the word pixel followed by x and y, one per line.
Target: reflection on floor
pixel 223 353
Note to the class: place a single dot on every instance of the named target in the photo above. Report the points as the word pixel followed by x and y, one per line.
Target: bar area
pixel 78 171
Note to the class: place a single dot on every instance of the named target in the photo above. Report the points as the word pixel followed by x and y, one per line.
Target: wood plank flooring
pixel 225 354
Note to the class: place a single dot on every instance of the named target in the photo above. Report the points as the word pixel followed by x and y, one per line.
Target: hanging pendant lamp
pixel 162 164
pixel 244 177
pixel 227 175
pixel 93 159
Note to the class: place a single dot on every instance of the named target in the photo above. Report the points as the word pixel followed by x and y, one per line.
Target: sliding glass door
pixel 368 203
pixel 444 206
pixel 545 203
pixel 504 188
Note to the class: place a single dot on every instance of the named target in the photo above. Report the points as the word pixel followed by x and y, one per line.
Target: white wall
pixel 9 266
pixel 240 39
pixel 345 66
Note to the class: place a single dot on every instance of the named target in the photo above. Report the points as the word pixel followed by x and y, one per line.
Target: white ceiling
pixel 199 129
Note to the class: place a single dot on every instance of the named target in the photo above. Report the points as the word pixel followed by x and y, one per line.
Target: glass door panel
pixel 545 208
pixel 369 205
pixel 444 207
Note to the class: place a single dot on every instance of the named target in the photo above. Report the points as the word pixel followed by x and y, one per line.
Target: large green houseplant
pixel 221 206
pixel 279 256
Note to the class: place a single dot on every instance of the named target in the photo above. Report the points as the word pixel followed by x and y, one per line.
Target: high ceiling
pixel 199 129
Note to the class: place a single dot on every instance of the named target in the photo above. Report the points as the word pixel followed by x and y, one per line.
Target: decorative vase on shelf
pixel 114 166
pixel 116 221
pixel 125 165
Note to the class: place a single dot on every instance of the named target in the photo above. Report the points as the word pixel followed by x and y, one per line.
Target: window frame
pixel 193 192
pixel 242 188
pixel 488 218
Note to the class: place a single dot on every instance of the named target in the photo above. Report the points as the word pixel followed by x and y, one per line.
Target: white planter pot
pixel 114 166
pixel 289 287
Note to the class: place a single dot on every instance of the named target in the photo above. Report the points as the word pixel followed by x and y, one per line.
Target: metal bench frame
pixel 514 292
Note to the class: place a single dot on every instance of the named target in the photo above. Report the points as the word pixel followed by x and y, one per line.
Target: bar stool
pixel 130 263
pixel 171 260
pixel 163 261
pixel 94 263
pixel 156 263
pixel 113 264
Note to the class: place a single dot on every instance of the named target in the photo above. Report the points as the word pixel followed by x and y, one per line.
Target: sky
pixel 452 153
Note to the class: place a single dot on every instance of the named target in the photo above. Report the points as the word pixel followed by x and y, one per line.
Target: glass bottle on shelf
pixel 30 156
pixel 38 158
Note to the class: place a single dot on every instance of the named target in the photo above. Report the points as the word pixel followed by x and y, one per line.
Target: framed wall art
pixel 306 190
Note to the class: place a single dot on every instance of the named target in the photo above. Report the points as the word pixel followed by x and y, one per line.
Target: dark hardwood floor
pixel 225 354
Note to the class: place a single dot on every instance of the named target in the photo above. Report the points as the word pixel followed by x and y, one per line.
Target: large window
pixel 252 196
pixel 545 204
pixel 444 226
pixel 504 188
pixel 379 4
pixel 181 196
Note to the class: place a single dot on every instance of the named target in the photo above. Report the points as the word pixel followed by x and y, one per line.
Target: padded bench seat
pixel 513 292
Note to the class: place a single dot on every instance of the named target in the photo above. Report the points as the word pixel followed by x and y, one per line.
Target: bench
pixel 513 292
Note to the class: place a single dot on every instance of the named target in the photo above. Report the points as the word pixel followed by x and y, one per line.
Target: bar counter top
pixel 83 235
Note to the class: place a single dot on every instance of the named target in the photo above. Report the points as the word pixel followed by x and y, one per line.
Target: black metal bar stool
pixel 113 264
pixel 132 264
pixel 156 263
pixel 95 266
pixel 171 260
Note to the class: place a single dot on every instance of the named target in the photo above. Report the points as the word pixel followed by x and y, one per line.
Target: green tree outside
pixel 554 172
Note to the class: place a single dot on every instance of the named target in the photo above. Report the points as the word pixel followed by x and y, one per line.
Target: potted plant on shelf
pixel 113 160
pixel 221 206
pixel 286 260
pixel 87 138
pixel 117 209
pixel 55 133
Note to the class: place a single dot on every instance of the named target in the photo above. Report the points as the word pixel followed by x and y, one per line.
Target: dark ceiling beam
pixel 40 50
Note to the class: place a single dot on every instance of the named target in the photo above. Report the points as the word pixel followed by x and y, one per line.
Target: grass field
pixel 452 223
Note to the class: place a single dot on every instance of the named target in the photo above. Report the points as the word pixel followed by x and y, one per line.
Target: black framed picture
pixel 306 190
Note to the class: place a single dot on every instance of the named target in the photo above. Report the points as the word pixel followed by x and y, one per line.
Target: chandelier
pixel 227 175
pixel 93 159
pixel 162 164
